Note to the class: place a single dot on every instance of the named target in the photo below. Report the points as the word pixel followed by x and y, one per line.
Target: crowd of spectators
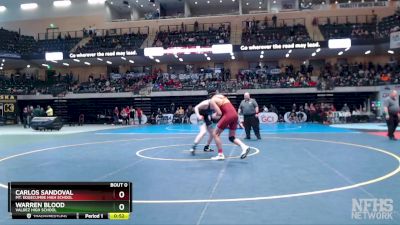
pixel 258 32
pixel 328 77
pixel 369 30
pixel 389 24
pixel 200 36
pixel 359 74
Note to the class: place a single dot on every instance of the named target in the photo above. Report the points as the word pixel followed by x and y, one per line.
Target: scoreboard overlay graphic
pixel 66 200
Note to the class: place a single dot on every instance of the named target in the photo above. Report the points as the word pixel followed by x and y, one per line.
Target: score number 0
pixel 121 195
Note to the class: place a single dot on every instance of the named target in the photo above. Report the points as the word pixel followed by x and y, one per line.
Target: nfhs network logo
pixel 372 209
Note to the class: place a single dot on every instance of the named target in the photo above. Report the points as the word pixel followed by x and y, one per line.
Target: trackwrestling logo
pixel 372 209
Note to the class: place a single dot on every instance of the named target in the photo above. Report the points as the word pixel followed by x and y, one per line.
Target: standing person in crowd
pixel 37 112
pixel 25 115
pixel 42 112
pixel 189 112
pixel 124 116
pixel 313 112
pixel 249 108
pixel 132 113
pixel 49 111
pixel 81 119
pixel 139 115
pixel 274 19
pixel 392 113
pixel 30 115
pixel 116 115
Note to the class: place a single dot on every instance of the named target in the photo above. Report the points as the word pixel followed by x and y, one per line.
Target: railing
pixel 99 32
pixel 279 22
pixel 347 19
pixel 191 27
pixel 56 34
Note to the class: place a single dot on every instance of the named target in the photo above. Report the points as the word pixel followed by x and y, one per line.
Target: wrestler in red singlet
pixel 223 107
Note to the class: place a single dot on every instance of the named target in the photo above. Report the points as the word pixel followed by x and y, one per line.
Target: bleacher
pixel 113 42
pixel 63 45
pixel 193 35
pixel 361 27
pixel 280 32
pixel 13 42
pixel 389 23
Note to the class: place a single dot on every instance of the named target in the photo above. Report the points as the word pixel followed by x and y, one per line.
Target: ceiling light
pixel 340 53
pixel 274 2
pixel 2 8
pixel 208 2
pixel 3 60
pixel 195 3
pixel 141 6
pixel 367 52
pixel 45 65
pixel 2 64
pixel 123 58
pixel 29 6
pixel 87 63
pixel 287 55
pixel 290 51
pixel 94 2
pixel 65 64
pixel 154 5
pixel 323 3
pixel 208 58
pixel 76 60
pixel 131 61
pixel 53 61
pixel 262 52
pixel 1 68
pixel 318 50
pixel 391 52
pixel 313 54
pixel 64 3
pixel 232 54
pixel 233 57
pixel 260 3
pixel 349 1
pixel 205 55
pixel 157 60
pixel 151 57
pixel 28 66
pixel 108 62
pixel 247 3
pixel 261 56
pixel 100 59
pixel 259 7
pixel 180 59
pixel 347 49
pixel 176 56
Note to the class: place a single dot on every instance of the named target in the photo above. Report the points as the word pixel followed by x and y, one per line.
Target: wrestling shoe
pixel 193 150
pixel 245 152
pixel 220 156
pixel 208 149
